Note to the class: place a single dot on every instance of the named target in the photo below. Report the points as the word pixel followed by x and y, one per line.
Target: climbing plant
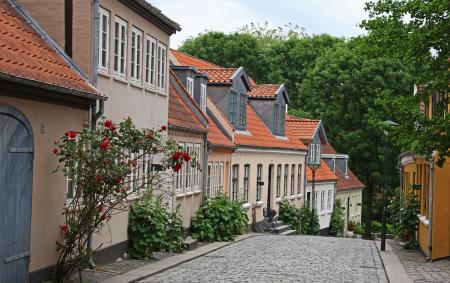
pixel 102 166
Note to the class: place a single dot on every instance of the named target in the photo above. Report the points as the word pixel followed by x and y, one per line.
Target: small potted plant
pixel 350 227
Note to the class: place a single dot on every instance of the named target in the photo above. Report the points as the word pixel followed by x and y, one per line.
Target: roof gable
pixel 189 60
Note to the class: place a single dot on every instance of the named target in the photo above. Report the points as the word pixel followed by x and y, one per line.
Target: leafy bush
pixel 219 219
pixel 390 228
pixel 376 226
pixel 154 228
pixel 350 226
pixel 358 229
pixel 337 220
pixel 290 215
pixel 309 221
pixel 407 227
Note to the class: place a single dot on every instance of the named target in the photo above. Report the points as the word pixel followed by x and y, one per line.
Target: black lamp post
pixel 313 162
pixel 387 124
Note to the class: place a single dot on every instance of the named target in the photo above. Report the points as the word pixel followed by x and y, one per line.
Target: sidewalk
pixel 395 271
pixel 170 262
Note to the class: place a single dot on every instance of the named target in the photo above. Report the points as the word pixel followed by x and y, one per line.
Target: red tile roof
pixel 25 54
pixel 189 60
pixel 219 75
pixel 261 136
pixel 327 149
pixel 302 128
pixel 323 173
pixel 180 113
pixel 349 182
pixel 215 135
pixel 264 91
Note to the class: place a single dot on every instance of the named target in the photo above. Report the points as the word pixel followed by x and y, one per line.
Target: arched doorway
pixel 16 178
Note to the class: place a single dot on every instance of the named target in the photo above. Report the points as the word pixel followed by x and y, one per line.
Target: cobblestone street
pixel 420 270
pixel 269 258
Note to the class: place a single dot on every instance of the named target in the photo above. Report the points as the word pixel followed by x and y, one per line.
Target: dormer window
pixel 203 97
pixel 276 117
pixel 346 167
pixel 243 112
pixel 233 107
pixel 282 118
pixel 190 86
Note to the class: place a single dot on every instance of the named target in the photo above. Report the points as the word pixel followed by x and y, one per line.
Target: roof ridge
pixel 191 56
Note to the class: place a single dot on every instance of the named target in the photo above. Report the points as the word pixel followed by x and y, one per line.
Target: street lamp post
pixel 387 124
pixel 313 162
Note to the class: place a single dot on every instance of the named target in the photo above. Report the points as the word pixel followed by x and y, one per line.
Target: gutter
pixel 430 210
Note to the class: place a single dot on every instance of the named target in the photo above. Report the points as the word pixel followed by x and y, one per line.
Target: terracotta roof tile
pixel 258 135
pixel 327 149
pixel 24 53
pixel 349 182
pixel 180 114
pixel 302 128
pixel 189 60
pixel 215 135
pixel 264 91
pixel 323 173
pixel 219 75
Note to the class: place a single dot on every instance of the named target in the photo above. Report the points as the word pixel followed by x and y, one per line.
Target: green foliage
pixel 154 228
pixel 416 32
pixel 358 229
pixel 309 221
pixel 289 214
pixel 219 219
pixel 376 226
pixel 407 226
pixel 350 226
pixel 337 220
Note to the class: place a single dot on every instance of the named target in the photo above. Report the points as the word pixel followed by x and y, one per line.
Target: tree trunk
pixel 369 212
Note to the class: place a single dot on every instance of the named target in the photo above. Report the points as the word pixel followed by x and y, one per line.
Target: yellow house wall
pixel 49 189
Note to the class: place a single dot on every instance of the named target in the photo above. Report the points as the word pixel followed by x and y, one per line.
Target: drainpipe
pixel 205 166
pixel 430 209
pixel 400 166
pixel 95 115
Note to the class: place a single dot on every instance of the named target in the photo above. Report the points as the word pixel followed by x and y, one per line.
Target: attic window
pixel 203 97
pixel 190 86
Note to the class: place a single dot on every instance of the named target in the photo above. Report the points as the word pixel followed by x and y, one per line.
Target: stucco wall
pixel 49 123
pixel 244 156
pixel 325 213
pixel 441 211
pixel 355 210
pixel 217 155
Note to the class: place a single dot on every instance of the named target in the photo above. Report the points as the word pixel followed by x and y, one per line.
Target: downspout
pixel 95 115
pixel 205 166
pixel 400 166
pixel 430 210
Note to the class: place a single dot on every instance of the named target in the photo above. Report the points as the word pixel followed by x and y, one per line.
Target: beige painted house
pixel 122 47
pixel 40 100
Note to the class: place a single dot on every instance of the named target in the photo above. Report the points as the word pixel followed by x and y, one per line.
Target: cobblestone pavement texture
pixel 270 258
pixel 420 270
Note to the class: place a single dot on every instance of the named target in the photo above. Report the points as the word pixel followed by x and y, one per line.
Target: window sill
pixel 259 203
pixel 120 79
pixel 299 195
pixel 278 200
pixel 246 205
pixel 180 195
pixel 197 191
pixel 136 84
pixel 323 213
pixel 149 88
pixel 104 73
pixel 189 193
pixel 290 197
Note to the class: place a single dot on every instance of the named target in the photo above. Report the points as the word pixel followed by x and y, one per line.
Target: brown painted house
pixel 42 96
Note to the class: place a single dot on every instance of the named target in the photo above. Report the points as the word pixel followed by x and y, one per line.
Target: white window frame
pixel 316 196
pixel 221 171
pixel 322 200
pixel 299 178
pixel 101 47
pixel 208 180
pixel 190 86
pixel 189 172
pixel 70 185
pixel 197 170
pixel 179 184
pixel 136 55
pixel 203 95
pixel 329 200
pixel 150 60
pixel 120 69
pixel 161 73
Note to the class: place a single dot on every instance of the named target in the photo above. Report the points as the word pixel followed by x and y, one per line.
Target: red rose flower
pixel 155 149
pixel 98 179
pixel 103 217
pixel 64 227
pixel 117 190
pixel 134 163
pixel 104 145
pixel 176 156
pixel 118 180
pixel 150 135
pixel 72 134
pixel 186 157
pixel 113 127
pixel 55 151
pixel 177 167
pixel 100 208
pixel 163 127
pixel 108 124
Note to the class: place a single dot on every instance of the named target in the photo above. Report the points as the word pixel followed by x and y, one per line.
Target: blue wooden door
pixel 16 173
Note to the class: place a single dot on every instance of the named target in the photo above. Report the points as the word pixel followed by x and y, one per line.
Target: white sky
pixel 335 17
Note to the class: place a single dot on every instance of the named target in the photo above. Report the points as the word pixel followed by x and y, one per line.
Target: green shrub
pixel 407 227
pixel 219 219
pixel 309 221
pixel 337 220
pixel 390 228
pixel 376 226
pixel 358 229
pixel 350 226
pixel 290 215
pixel 154 228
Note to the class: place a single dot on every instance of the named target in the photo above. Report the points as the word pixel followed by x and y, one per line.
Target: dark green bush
pixel 376 226
pixel 290 215
pixel 337 220
pixel 309 221
pixel 219 219
pixel 358 229
pixel 154 228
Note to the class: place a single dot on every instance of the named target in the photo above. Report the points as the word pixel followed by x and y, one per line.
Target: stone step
pixel 289 232
pixel 191 243
pixel 281 229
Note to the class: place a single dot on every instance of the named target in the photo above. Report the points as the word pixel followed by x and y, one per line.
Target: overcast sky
pixel 335 17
